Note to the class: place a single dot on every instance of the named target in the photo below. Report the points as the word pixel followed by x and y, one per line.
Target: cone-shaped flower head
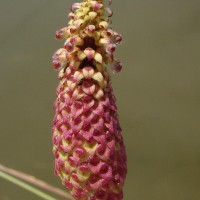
pixel 88 147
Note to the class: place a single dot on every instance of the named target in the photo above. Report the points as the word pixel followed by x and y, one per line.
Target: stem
pixel 26 186
pixel 35 181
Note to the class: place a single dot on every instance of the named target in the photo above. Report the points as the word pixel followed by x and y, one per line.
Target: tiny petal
pixel 75 6
pixel 89 52
pixel 77 41
pixel 98 58
pixel 90 29
pixel 79 14
pixel 99 94
pixel 68 46
pixel 104 41
pixel 88 87
pixel 59 58
pixel 85 10
pixel 96 6
pixel 111 47
pixel 71 15
pixel 78 23
pixel 92 15
pixel 103 24
pixel 110 12
pixel 62 33
pixel 81 55
pixel 117 67
pixel 88 72
pixel 78 76
pixel 98 77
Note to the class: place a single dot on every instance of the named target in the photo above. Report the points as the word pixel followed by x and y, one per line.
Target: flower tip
pixel 117 67
pixel 74 6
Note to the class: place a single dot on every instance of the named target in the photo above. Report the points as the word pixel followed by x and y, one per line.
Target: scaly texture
pixel 88 147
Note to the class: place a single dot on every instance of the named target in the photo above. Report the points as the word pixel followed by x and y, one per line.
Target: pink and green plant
pixel 89 151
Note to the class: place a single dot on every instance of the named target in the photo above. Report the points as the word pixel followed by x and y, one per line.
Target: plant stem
pixel 35 181
pixel 26 186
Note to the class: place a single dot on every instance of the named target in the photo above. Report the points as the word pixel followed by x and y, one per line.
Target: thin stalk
pixel 26 186
pixel 36 182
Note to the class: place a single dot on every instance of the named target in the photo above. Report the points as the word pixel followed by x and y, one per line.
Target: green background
pixel 158 93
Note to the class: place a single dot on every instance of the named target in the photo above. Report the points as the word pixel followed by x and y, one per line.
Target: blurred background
pixel 158 93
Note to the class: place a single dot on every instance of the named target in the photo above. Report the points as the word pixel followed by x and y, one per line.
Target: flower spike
pixel 88 147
